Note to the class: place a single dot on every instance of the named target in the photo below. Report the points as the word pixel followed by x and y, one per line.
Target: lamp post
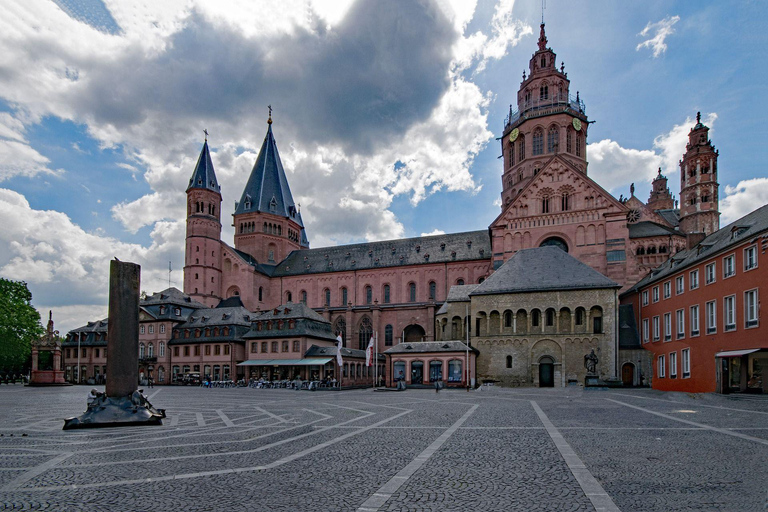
pixel 78 358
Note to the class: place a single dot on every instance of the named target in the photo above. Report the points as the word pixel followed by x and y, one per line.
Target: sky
pixel 385 114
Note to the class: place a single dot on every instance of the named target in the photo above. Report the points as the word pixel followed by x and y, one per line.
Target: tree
pixel 19 324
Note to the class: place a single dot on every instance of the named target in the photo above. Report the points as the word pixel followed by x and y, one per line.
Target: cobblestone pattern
pixel 332 451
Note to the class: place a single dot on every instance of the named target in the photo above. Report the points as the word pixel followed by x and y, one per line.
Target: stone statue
pixel 590 362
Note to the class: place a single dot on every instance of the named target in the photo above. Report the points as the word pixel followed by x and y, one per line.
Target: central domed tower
pixel 547 121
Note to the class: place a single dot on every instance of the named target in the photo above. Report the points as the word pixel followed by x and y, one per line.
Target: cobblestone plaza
pixel 494 449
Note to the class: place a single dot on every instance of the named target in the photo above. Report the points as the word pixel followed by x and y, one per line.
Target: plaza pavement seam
pixel 38 470
pixel 228 422
pixel 589 484
pixel 382 495
pixel 689 422
pixel 201 474
pixel 694 405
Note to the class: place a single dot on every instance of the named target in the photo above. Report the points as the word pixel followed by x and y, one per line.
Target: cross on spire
pixel 205 131
pixel 269 121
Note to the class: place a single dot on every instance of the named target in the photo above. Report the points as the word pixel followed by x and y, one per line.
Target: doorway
pixel 417 372
pixel 546 372
pixel 628 374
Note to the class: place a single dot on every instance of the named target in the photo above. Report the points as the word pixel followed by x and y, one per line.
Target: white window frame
pixel 711 316
pixel 685 362
pixel 662 366
pixel 656 322
pixel 151 329
pixel 162 328
pixel 667 289
pixel 655 293
pixel 750 258
pixel 729 313
pixel 710 273
pixel 693 278
pixel 695 319
pixel 645 297
pixel 729 266
pixel 646 330
pixel 667 326
pixel 751 314
pixel 673 365
pixel 680 320
pixel 679 285
pixel 141 330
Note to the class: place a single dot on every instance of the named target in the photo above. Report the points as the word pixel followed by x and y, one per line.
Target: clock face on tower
pixel 576 124
pixel 513 135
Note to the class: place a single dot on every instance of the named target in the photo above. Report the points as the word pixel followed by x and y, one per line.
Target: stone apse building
pixel 394 289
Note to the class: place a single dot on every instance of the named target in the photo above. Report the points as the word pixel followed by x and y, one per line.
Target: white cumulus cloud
pixel 658 33
pixel 745 197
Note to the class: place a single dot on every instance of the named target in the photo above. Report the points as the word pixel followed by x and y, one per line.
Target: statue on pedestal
pixel 590 362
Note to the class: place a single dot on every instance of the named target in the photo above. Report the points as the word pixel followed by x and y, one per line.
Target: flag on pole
pixel 339 345
pixel 369 353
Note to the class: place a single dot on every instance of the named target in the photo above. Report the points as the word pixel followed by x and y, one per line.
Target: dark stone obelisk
pixel 123 329
pixel 122 404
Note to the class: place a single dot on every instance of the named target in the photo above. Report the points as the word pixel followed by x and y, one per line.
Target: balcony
pixel 543 107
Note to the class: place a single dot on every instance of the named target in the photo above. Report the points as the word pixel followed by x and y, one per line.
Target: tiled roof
pixel 204 175
pixel 315 351
pixel 749 227
pixel 306 322
pixel 267 188
pixel 460 293
pixel 290 310
pixel 430 346
pixel 542 268
pixel 647 228
pixel 671 216
pixel 469 246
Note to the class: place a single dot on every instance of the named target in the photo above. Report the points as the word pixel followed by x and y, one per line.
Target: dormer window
pixel 273 205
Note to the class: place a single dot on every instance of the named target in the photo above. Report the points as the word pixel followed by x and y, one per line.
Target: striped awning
pixel 737 353
pixel 317 361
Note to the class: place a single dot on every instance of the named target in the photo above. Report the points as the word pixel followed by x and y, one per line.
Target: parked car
pixel 192 379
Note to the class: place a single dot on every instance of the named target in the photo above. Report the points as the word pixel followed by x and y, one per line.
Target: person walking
pixel 437 386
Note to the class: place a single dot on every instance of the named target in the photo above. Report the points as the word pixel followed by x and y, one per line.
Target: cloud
pixel 66 266
pixel 615 167
pixel 17 157
pixel 660 30
pixel 434 232
pixel 745 197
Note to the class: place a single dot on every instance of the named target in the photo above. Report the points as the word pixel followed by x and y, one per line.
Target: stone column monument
pixel 122 404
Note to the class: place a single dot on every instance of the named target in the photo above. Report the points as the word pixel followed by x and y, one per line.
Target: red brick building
pixel 699 313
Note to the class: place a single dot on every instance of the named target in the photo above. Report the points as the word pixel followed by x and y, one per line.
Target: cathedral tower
pixel 547 121
pixel 699 212
pixel 202 265
pixel 660 197
pixel 268 225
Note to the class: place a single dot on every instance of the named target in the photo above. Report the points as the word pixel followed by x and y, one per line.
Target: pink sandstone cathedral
pixel 395 287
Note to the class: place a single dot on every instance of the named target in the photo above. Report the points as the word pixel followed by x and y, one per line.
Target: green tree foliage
pixel 19 324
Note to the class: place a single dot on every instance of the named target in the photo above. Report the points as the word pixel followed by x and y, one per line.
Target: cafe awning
pixel 317 361
pixel 737 353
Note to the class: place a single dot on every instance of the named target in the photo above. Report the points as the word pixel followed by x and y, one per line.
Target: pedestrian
pixel 437 386
pixel 151 382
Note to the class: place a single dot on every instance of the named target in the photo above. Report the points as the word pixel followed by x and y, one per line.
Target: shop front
pixel 272 370
pixel 742 371
pixel 425 363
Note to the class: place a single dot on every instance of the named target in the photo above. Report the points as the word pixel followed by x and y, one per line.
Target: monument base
pixel 127 411
pixel 47 378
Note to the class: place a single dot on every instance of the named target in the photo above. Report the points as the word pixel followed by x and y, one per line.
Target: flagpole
pixel 468 323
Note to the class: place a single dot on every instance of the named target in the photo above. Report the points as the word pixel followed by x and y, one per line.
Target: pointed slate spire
pixel 204 176
pixel 267 188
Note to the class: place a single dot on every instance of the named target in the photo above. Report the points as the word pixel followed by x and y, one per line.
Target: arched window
pixel 327 293
pixel 507 318
pixel 552 139
pixel 141 351
pixel 161 349
pixel 538 142
pixel 386 294
pixel 340 329
pixel 556 242
pixel 550 317
pixel 304 296
pixel 543 90
pixel 344 296
pixel 640 251
pixel 578 145
pixel 565 202
pixel 569 141
pixel 521 149
pixel 412 292
pixel 460 282
pixel 151 350
pixel 432 290
pixel 511 153
pixel 509 361
pixel 261 294
pixel 545 204
pixel 288 297
pixel 368 294
pixel 364 333
pixel 535 317
pixel 388 330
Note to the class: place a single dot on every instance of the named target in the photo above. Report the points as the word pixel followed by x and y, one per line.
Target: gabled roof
pixel 473 245
pixel 292 311
pixel 315 351
pixel 628 336
pixel 204 176
pixel 305 322
pixel 647 228
pixel 267 188
pixel 460 293
pixel 430 346
pixel 542 268
pixel 172 296
pixel 671 216
pixel 744 229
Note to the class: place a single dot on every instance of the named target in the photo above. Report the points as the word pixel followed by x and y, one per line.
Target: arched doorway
pixel 628 374
pixel 414 333
pixel 546 372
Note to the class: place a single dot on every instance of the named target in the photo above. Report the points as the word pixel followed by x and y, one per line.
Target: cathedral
pixel 521 302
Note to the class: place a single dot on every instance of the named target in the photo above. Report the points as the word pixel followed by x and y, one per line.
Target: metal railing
pixel 544 106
